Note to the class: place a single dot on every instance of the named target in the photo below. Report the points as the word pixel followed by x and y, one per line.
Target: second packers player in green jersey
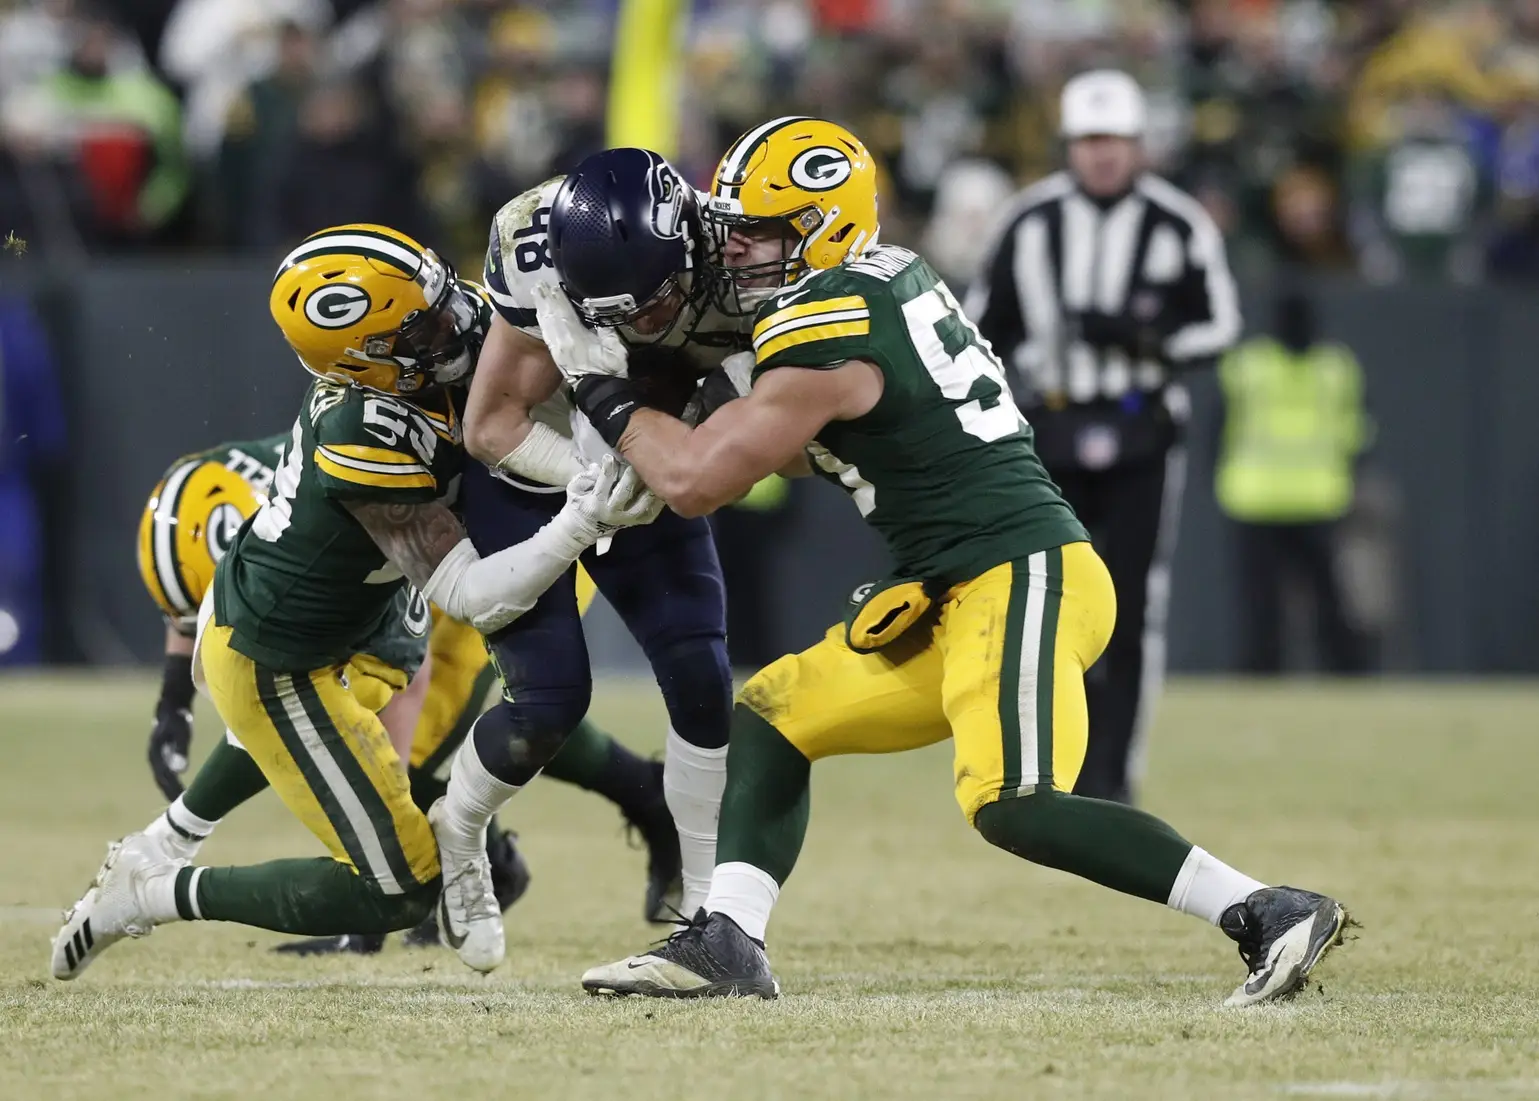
pixel 867 373
pixel 188 524
pixel 287 635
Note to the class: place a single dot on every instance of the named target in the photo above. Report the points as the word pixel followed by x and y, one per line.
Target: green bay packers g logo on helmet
pixel 821 169
pixel 223 522
pixel 337 305
pixel 808 180
pixel 366 305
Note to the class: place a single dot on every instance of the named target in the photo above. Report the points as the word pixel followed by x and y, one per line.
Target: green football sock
pixel 317 897
pixel 768 799
pixel 227 779
pixel 1108 843
pixel 594 761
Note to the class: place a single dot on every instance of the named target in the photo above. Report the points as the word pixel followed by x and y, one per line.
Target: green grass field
pixel 916 960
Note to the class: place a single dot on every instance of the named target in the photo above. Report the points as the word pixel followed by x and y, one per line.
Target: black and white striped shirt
pixel 1155 252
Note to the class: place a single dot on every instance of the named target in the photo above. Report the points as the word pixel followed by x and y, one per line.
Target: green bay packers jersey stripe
pixel 168 567
pixel 783 313
pixel 832 317
pixel 379 475
pixel 819 333
pixel 736 162
pixel 379 460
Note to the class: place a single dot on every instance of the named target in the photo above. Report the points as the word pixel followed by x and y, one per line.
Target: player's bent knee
pixel 515 742
pixel 695 677
pixel 1028 826
pixel 387 913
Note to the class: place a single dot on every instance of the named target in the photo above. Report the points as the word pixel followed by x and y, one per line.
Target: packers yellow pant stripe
pixel 332 774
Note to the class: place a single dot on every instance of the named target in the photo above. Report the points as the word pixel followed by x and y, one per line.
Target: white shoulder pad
pixel 518 255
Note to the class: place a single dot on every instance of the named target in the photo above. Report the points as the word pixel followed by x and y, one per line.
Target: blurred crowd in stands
pixel 1395 138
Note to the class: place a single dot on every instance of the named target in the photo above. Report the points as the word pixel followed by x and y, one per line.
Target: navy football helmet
pixel 626 237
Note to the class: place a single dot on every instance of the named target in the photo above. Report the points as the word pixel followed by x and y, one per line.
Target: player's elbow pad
pixel 545 455
pixel 489 593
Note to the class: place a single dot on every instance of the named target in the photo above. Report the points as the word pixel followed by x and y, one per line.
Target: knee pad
pixel 546 680
pixel 513 747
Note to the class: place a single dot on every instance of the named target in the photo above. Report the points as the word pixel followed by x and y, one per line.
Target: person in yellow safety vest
pixel 1294 428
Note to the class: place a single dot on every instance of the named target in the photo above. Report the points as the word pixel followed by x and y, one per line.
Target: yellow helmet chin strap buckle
pixel 880 612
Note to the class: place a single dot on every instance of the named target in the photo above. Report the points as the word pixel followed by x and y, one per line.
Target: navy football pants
pixel 662 579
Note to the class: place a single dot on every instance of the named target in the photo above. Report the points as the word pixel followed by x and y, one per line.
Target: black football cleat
pixel 1283 933
pixel 709 957
pixel 653 822
pixel 359 944
pixel 510 872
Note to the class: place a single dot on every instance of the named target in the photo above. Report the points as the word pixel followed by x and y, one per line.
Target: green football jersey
pixel 942 466
pixel 304 585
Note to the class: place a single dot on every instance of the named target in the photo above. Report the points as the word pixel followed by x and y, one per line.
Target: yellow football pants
pixel 326 754
pixel 1000 670
pixel 459 679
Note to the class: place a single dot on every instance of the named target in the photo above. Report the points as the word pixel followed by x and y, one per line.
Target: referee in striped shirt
pixel 1106 285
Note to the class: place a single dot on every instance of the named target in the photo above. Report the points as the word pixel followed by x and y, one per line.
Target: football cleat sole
pixel 733 988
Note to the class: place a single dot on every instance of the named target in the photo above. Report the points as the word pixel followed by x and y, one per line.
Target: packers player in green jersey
pixel 189 522
pixel 289 634
pixel 867 373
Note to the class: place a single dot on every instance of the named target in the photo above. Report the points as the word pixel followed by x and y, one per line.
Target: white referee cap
pixel 1102 102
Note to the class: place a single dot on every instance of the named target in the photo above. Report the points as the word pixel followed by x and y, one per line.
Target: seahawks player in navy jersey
pixel 646 274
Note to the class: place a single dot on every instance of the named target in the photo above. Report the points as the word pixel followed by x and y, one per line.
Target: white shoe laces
pixel 471 879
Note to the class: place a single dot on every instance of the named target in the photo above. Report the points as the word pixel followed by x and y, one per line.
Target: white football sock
pixel 693 779
pixel 473 798
pixel 1205 886
pixel 157 893
pixel 179 831
pixel 744 893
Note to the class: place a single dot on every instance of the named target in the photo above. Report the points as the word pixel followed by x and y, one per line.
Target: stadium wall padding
pixel 158 359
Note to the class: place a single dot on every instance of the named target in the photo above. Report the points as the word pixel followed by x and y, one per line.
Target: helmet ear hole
pixel 841 233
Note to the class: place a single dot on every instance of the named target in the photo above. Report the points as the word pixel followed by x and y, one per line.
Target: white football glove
pixel 610 495
pixel 576 349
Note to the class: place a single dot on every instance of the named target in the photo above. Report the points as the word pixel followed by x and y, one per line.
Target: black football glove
pixel 170 739
pixel 171 736
pixel 1139 339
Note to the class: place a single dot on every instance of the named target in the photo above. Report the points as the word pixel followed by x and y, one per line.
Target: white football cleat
pixel 113 907
pixel 469 919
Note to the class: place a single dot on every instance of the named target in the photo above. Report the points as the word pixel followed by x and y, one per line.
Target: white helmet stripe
pixel 163 540
pixel 334 242
pixel 737 157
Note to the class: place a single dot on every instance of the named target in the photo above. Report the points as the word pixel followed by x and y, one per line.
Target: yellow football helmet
pixel 812 177
pixel 366 305
pixel 188 524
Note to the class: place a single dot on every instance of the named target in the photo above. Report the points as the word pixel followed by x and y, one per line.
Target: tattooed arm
pixel 415 539
pixel 428 545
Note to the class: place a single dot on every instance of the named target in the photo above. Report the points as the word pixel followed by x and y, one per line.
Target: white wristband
pixel 545 455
